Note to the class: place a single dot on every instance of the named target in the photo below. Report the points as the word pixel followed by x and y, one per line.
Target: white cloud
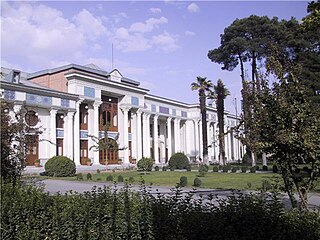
pixel 155 10
pixel 166 42
pixel 130 42
pixel 119 17
pixel 148 26
pixel 193 8
pixel 189 33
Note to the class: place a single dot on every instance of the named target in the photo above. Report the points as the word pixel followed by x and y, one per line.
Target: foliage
pixel 164 168
pixel 246 159
pixel 197 182
pixel 203 169
pixel 157 168
pixel 244 169
pixel 274 169
pixel 234 169
pixel 89 176
pixel 120 178
pixel 79 176
pixel 60 166
pixel 131 179
pixel 179 161
pixel 202 85
pixel 188 168
pixel 109 178
pixel 215 169
pixel 183 181
pixel 145 164
pixel 226 168
pixel 253 169
pixel 14 142
pixel 264 168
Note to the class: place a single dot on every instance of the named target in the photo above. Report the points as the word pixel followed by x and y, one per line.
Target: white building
pixel 75 102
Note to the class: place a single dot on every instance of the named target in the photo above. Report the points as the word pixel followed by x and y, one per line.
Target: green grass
pixel 237 181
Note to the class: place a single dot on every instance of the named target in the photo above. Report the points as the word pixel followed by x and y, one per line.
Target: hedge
pixel 179 161
pixel 119 213
pixel 60 166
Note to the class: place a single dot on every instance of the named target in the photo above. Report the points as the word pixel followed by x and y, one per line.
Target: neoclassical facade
pixel 74 105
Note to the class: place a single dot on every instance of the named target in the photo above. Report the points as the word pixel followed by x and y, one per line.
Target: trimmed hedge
pixel 60 166
pixel 183 181
pixel 197 182
pixel 145 164
pixel 179 161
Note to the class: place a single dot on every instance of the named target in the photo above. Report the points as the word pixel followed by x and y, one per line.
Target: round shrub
pixel 215 169
pixel 274 169
pixel 79 176
pixel 145 164
pixel 264 168
pixel 203 169
pixel 183 181
pixel 109 178
pixel 156 168
pixel 60 166
pixel 179 161
pixel 234 169
pixel 257 168
pixel 197 182
pixel 89 176
pixel 188 168
pixel 253 169
pixel 226 168
pixel 120 178
pixel 172 169
pixel 244 169
pixel 164 168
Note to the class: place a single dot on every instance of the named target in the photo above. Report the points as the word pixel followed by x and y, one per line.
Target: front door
pixel 111 155
pixel 83 152
pixel 33 149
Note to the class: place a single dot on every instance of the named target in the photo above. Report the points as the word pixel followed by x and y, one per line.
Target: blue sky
pixel 162 44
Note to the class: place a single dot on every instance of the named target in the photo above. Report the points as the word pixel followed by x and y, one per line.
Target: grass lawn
pixel 238 181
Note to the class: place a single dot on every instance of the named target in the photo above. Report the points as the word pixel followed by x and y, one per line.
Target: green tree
pixel 220 93
pixel 14 142
pixel 202 85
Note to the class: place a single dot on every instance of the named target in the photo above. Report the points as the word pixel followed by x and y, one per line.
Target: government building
pixel 73 105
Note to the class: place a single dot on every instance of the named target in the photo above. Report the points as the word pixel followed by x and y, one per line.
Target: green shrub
pixel 145 164
pixel 246 159
pixel 164 168
pixel 253 169
pixel 188 168
pixel 215 169
pixel 264 168
pixel 226 168
pixel 156 168
pixel 244 169
pixel 183 181
pixel 172 169
pixel 197 182
pixel 79 176
pixel 109 178
pixel 60 166
pixel 274 169
pixel 98 171
pixel 234 169
pixel 203 169
pixel 179 161
pixel 257 167
pixel 98 179
pixel 120 178
pixel 266 185
pixel 89 176
pixel 131 179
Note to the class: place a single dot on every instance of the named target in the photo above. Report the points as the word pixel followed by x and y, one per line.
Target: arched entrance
pixel 111 154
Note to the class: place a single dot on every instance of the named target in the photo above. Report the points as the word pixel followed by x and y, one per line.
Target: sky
pixel 161 44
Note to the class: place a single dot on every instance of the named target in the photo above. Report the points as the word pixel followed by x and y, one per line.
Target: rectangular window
pixel 59 147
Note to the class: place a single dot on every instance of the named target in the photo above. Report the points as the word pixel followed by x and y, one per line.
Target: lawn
pixel 238 181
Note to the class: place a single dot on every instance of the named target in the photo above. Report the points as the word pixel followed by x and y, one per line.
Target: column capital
pixel 53 111
pixel 125 108
pixel 97 103
pixel 155 117
pixel 169 119
pixel 70 114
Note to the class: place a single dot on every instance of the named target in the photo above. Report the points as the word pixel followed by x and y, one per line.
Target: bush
pixel 131 179
pixel 98 171
pixel 120 178
pixel 203 169
pixel 246 159
pixel 183 181
pixel 164 168
pixel 172 169
pixel 234 169
pixel 89 176
pixel 156 168
pixel 109 178
pixel 215 169
pixel 188 168
pixel 274 169
pixel 145 164
pixel 244 169
pixel 197 182
pixel 264 168
pixel 226 168
pixel 253 169
pixel 60 166
pixel 179 161
pixel 79 176
pixel 257 167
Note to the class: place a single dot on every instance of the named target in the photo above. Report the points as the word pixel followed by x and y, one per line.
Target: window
pixel 83 117
pixel 108 117
pixel 83 148
pixel 31 118
pixel 59 147
pixel 59 120
pixel 115 119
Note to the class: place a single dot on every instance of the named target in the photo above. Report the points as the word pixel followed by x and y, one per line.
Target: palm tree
pixel 203 86
pixel 220 94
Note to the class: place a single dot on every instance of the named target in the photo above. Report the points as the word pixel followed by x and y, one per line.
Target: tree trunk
pixel 202 97
pixel 220 111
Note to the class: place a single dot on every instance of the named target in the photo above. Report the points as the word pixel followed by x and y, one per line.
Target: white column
pixel 96 105
pixel 90 132
pixel 200 140
pixel 209 140
pixel 196 150
pixel 125 135
pixel 188 138
pixel 53 133
pixel 76 132
pixel 68 135
pixel 169 139
pixel 155 139
pixel 264 159
pixel 139 139
pixel 177 135
pixel 148 136
pixel 214 143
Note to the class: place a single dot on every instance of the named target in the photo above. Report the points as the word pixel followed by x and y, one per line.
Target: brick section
pixel 56 81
